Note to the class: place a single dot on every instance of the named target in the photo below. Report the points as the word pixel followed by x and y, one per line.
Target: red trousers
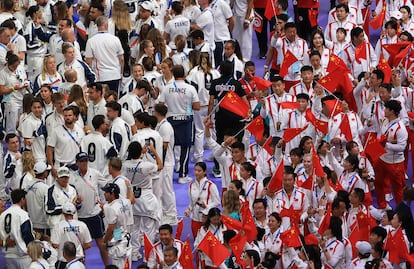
pixel 195 226
pixel 386 173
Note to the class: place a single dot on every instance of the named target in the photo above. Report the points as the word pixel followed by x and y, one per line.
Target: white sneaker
pixel 216 173
pixel 389 197
pixel 196 160
pixel 184 180
pixel 210 158
pixel 136 257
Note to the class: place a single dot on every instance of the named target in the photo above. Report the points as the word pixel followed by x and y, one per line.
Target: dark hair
pixel 266 181
pixel 143 84
pixel 304 96
pixel 228 235
pixel 289 171
pixel 270 259
pixel 134 150
pixel 350 145
pixel 212 213
pixel 238 145
pixel 276 78
pixel 408 35
pixel 296 151
pixel 248 64
pixel 306 68
pixel 236 46
pixel 173 249
pixel 70 108
pixel 344 6
pixel 260 200
pixel 341 29
pixel 390 214
pixel 10 136
pixel 379 74
pixel 391 23
pixel 276 216
pixel 360 193
pixel 290 25
pixel 393 105
pixel 239 186
pixel 336 203
pixel 197 34
pixel 148 63
pixel 97 121
pixel 386 86
pixel 283 17
pixel 161 109
pixel 115 106
pixel 302 142
pixel 354 161
pixel 355 32
pixel 12 58
pixel 166 227
pixel 379 231
pixel 9 23
pixel 202 165
pixel 250 168
pixel 17 195
pixel 178 71
pixel 32 10
pixel 36 100
pixel 69 249
pixel 226 68
pixel 313 53
pixel 335 226
pixel 253 255
pixel 344 196
pixel 177 7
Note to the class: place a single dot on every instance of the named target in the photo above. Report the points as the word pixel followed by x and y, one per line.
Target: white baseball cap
pixel 40 168
pixel 147 5
pixel 69 208
pixel 63 172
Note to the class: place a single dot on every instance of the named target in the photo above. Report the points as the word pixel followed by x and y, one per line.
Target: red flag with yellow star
pixel 289 105
pixel 237 244
pixel 336 62
pixel 385 67
pixel 288 59
pixel 330 81
pixel 261 84
pixel 291 133
pixel 249 226
pixel 256 127
pixel 186 258
pixel 374 149
pixel 396 246
pixel 345 127
pixel 275 182
pixel 272 9
pixel 148 247
pixel 335 107
pixel 230 223
pixel 266 145
pixel 233 103
pixel 361 52
pixel 378 21
pixel 291 238
pixel 320 125
pixel 395 49
pixel 215 250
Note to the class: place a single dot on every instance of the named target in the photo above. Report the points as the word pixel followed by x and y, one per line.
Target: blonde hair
pixel 142 46
pixel 44 68
pixel 231 202
pixel 158 41
pixel 34 249
pixel 180 43
pixel 28 162
pixel 205 63
pixel 120 15
pixel 76 95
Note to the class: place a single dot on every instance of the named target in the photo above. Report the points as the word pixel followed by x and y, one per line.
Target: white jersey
pixel 120 136
pixel 36 198
pixel 66 143
pixel 117 212
pixel 154 137
pixel 14 221
pixel 99 150
pixel 206 23
pixel 56 198
pixel 10 79
pixel 179 25
pixel 105 49
pixel 35 129
pixel 74 231
pixel 179 97
pixel 87 187
pixel 166 131
pixel 222 13
pixel 12 169
pixel 202 192
pixel 95 109
pixel 132 103
pixel 202 81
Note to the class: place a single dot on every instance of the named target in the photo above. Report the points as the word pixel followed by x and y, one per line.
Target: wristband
pixel 4 243
pixel 265 66
pixel 12 89
pixel 247 21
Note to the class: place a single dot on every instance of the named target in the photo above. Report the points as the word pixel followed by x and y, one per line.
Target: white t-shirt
pixel 33 128
pixel 167 133
pixel 222 12
pixel 206 22
pixel 180 25
pixel 105 48
pixel 66 146
pixel 179 97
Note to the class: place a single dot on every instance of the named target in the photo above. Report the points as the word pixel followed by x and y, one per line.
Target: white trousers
pixel 168 202
pixel 244 37
pixel 199 116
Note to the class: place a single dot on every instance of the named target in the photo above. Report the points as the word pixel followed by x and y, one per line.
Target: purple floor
pixel 93 260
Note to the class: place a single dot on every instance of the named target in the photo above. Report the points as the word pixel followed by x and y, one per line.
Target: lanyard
pixel 70 135
pixel 351 181
pixel 70 264
pixel 250 189
pixel 41 265
pixel 276 236
pixel 389 127
pixel 216 230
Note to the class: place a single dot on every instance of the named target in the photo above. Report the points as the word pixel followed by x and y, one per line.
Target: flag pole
pixel 366 142
pixel 215 107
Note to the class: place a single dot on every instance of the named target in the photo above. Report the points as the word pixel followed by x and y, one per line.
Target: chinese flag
pixel 148 246
pixel 335 107
pixel 336 62
pixel 316 163
pixel 180 226
pixel 365 223
pixel 291 133
pixel 256 127
pixel 353 238
pixel 396 246
pixel 257 22
pixel 345 127
pixel 275 183
pixel 266 145
pixel 410 115
pixel 291 237
pixel 261 84
pixel 230 223
pixel 233 103
pixel 324 225
pixel 361 52
pixel 374 149
pixel 289 105
pixel 320 125
pixel 288 60
pixel 249 226
pixel 378 21
pixel 330 81
pixel 237 244
pixel 308 183
pixel 186 258
pixel 385 67
pixel 215 250
pixel 395 49
pixel 271 9
pixel 402 55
